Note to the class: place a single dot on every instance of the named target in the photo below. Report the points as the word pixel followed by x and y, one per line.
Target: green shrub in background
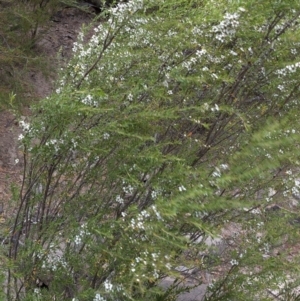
pixel 174 119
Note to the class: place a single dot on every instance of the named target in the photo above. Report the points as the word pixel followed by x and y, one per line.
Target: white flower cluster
pixel 89 101
pixel 288 69
pixel 124 9
pixel 55 143
pixel 138 223
pixel 83 232
pixel 146 265
pixel 216 173
pixel 128 189
pixel 54 260
pixel 25 127
pixel 98 297
pixel 215 108
pixel 154 194
pixel 181 188
pixel 119 199
pixel 296 187
pixel 227 27
pixel 158 216
pixel 265 250
pixel 108 286
pixel 189 63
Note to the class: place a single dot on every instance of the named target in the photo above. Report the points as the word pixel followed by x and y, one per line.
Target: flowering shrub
pixel 166 125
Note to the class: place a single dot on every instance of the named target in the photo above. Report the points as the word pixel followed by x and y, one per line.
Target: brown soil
pixel 56 44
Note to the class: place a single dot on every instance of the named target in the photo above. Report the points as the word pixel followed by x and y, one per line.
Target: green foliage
pixel 175 120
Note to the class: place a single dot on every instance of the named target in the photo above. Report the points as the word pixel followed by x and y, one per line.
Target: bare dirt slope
pixel 56 44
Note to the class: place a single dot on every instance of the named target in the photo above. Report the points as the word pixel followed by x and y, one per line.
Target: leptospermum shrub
pixel 173 120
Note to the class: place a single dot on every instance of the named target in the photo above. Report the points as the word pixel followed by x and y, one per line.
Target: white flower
pixel 21 137
pixel 119 200
pixel 24 125
pixel 224 166
pixel 88 100
pixel 130 97
pixel 98 297
pixel 77 240
pixel 293 51
pixel 17 161
pixel 216 173
pixel 234 262
pixel 108 286
pixel 106 136
pixel 216 108
pixel 154 194
pixel 128 189
pixel 158 216
pixel 289 172
pixel 181 188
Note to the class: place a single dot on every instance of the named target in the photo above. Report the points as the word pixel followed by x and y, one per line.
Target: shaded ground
pixel 56 44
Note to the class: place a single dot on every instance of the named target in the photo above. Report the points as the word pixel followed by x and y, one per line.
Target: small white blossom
pixel 181 188
pixel 77 240
pixel 154 194
pixel 24 125
pixel 88 100
pixel 224 166
pixel 106 136
pixel 216 108
pixel 98 297
pixel 130 97
pixel 234 262
pixel 119 200
pixel 108 286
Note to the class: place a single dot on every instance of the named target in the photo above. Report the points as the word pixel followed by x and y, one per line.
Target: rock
pixel 194 294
